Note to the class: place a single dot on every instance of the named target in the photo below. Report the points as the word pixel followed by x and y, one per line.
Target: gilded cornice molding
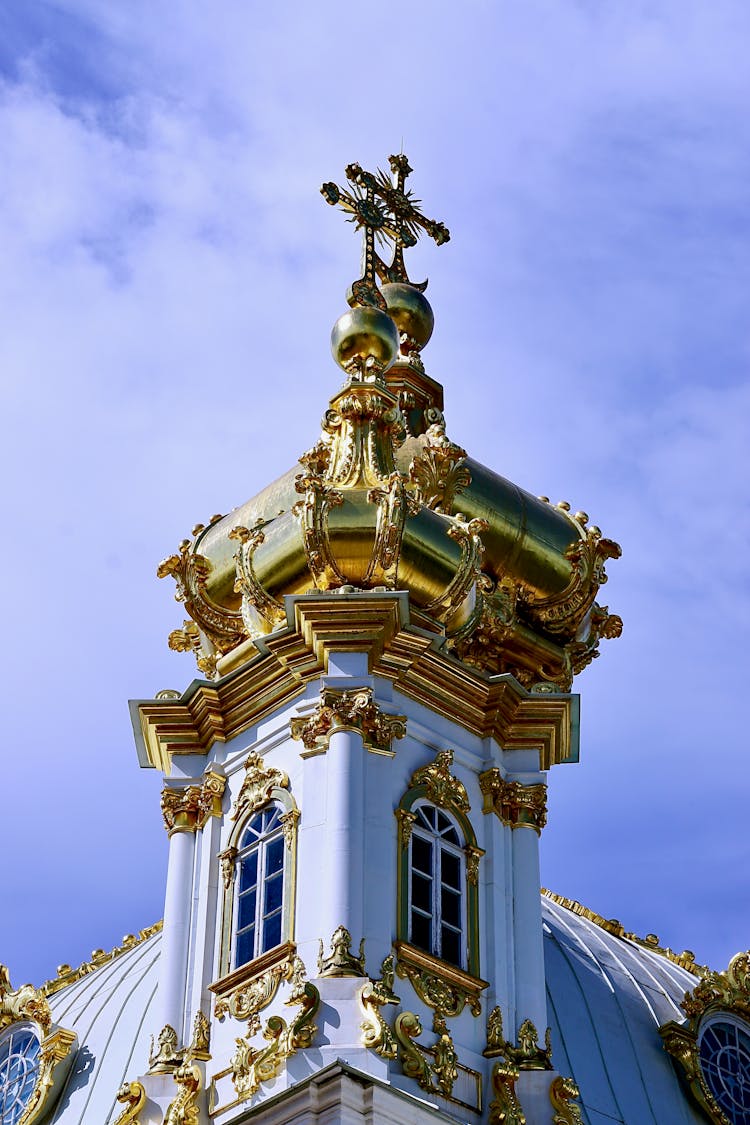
pixel 515 804
pixel 440 785
pixel 188 809
pixel 348 710
pixel 375 622
pixel 258 784
pixel 717 994
pixel 686 959
pixel 67 975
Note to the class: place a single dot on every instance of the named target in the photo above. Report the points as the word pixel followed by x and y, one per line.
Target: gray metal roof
pixel 606 998
pixel 109 1011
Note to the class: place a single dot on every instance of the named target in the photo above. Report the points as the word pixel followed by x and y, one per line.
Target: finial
pixel 384 210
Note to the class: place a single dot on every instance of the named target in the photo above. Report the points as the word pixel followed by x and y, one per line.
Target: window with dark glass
pixel 436 870
pixel 260 886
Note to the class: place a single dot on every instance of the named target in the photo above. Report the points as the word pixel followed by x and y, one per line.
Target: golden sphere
pixel 411 311
pixel 365 337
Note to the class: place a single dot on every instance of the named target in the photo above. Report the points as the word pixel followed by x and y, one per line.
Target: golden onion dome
pixel 385 500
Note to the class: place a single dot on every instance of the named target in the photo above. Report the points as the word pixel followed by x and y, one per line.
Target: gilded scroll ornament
pixel 439 472
pixel 257 786
pixel 441 787
pixel 249 999
pixel 469 571
pixel 251 1066
pixel 223 627
pixel 184 1110
pixel 515 804
pixel 413 1063
pixel 349 710
pixel 445 1066
pixel 716 995
pixel 441 986
pixel 563 612
pixel 373 996
pixel 341 962
pixel 563 1094
pixel 257 604
pixel 394 505
pixel 228 861
pixel 435 1069
pixel 312 512
pixel 133 1096
pixel 505 1108
pixel 188 809
pixel 25 1003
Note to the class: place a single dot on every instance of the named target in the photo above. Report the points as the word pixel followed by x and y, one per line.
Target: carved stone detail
pixel 257 786
pixel 515 804
pixel 341 962
pixel 349 710
pixel 441 787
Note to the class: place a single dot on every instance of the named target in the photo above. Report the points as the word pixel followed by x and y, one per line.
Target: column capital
pixel 515 804
pixel 352 709
pixel 188 808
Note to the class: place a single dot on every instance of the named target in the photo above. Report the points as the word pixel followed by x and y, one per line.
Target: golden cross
pixel 384 210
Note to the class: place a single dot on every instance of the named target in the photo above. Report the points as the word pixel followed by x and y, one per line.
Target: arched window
pixel 259 886
pixel 437 886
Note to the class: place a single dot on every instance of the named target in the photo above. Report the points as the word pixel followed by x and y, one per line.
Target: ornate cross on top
pixel 383 210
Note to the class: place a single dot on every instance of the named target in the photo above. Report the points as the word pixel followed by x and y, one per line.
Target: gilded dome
pixel 385 500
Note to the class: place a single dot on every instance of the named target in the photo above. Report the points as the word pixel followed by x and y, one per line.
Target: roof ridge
pixel 67 975
pixel 686 959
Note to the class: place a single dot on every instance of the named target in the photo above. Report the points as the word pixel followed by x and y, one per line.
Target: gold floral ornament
pixel 348 710
pixel 435 1069
pixel 717 995
pixel 563 1094
pixel 250 1066
pixel 439 472
pixel 166 1054
pixel 441 787
pixel 258 785
pixel 56 1043
pixel 383 210
pixel 188 809
pixel 341 962
pixel 515 804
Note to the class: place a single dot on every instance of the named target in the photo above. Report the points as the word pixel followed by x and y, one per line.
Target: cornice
pixel 686 959
pixel 412 658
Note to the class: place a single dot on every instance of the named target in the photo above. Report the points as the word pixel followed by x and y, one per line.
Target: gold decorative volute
pixel 184 1110
pixel 515 804
pixel 223 628
pixel 188 808
pixel 439 472
pixel 258 784
pixel 24 1003
pixel 441 787
pixel 716 995
pixel 505 1108
pixel 349 710
pixel 563 1094
pixel 257 603
pixel 133 1096
pixel 373 996
pixel 435 1068
pixel 341 962
pixel 443 987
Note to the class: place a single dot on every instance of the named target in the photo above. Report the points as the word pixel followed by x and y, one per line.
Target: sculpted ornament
pixel 438 1076
pixel 26 1003
pixel 133 1095
pixel 349 710
pixel 257 604
pixel 563 1093
pixel 251 998
pixel 224 628
pixel 469 571
pixel 250 1066
pixel 200 1043
pixel 442 987
pixel 441 787
pixel 515 804
pixel 167 1054
pixel 188 809
pixel 376 1034
pixel 505 1108
pixel 563 612
pixel 184 1109
pixel 439 471
pixel 341 962
pixel 257 787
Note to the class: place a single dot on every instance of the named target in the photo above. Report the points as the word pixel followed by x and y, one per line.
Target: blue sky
pixel 168 279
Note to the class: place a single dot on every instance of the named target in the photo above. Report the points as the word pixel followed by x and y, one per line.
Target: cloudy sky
pixel 169 275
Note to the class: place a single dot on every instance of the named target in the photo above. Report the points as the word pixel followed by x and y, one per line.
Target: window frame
pixel 438 846
pixel 260 848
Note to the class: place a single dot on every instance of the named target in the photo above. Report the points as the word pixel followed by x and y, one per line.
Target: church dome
pixel 385 500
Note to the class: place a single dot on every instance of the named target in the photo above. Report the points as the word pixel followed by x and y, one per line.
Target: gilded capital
pixel 188 809
pixel 515 804
pixel 349 710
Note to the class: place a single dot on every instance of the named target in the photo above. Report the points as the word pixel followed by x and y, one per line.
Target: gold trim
pixel 717 994
pixel 348 710
pixel 247 990
pixel 515 804
pixel 257 787
pixel 376 1034
pixel 435 1069
pixel 441 986
pixel 189 809
pixel 67 975
pixel 184 1109
pixel 563 1093
pixel 24 1003
pixel 377 623
pixel 527 1054
pixel 686 959
pixel 441 787
pixel 56 1047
